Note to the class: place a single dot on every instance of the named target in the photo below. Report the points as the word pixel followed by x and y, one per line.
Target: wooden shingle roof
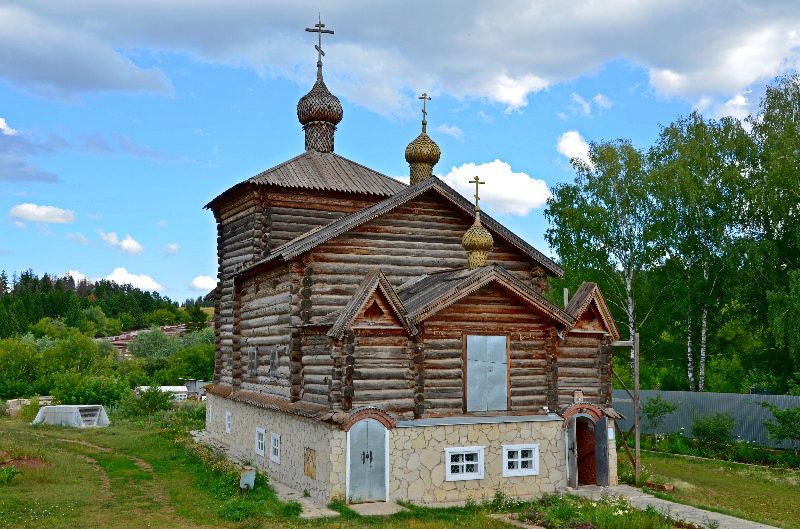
pixel 431 293
pixel 322 234
pixel 323 172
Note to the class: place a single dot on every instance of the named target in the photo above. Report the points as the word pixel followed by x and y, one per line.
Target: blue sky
pixel 121 120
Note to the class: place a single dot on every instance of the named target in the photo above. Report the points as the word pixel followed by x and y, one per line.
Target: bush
pixel 153 344
pixel 714 430
pixel 76 388
pixel 28 412
pixel 786 426
pixel 7 474
pixel 655 409
pixel 146 404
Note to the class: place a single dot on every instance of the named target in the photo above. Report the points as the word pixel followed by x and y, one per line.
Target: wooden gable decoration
pixel 589 309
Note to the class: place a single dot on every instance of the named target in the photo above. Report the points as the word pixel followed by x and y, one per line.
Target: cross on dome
pixel 477 182
pixel 425 98
pixel 319 29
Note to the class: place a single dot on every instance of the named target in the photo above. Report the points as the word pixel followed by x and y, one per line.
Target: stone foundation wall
pixel 418 461
pixel 298 434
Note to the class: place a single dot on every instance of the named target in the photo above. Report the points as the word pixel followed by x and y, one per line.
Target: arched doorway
pixel 367 454
pixel 587 445
pixel 584 446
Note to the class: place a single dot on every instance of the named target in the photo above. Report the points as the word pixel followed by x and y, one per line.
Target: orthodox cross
pixel 425 98
pixel 319 29
pixel 477 182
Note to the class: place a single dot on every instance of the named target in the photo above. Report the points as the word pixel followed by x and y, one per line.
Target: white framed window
pixel 274 447
pixel 520 460
pixel 260 442
pixel 228 421
pixel 463 463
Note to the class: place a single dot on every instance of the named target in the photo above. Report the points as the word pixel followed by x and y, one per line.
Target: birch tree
pixel 605 221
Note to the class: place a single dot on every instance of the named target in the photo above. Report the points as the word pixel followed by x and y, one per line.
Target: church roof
pixel 322 171
pixel 434 292
pixel 583 297
pixel 322 234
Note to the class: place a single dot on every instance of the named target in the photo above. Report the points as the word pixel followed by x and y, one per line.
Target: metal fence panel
pixel 746 411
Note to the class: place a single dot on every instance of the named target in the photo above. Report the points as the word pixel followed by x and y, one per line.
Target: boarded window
pixel 487 373
pixel 251 361
pixel 273 361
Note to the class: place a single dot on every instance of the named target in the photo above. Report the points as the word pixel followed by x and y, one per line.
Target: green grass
pixel 766 495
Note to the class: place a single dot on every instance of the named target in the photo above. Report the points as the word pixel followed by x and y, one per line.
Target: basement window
pixel 228 421
pixel 463 463
pixel 520 460
pixel 260 441
pixel 275 447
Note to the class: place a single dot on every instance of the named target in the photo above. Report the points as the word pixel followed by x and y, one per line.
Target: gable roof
pixel 434 292
pixel 323 171
pixel 322 234
pixel 587 294
pixel 374 280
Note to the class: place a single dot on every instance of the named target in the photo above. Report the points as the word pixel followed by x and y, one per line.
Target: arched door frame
pixel 386 465
pixel 598 419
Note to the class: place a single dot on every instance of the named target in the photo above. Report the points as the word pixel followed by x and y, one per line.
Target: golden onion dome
pixel 423 150
pixel 477 238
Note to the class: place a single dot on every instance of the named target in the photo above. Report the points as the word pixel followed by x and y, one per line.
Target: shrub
pixel 146 404
pixel 655 410
pixel 153 344
pixel 76 388
pixel 786 426
pixel 714 430
pixel 28 412
pixel 7 474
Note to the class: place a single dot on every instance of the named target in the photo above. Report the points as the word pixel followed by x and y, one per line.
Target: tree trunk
pixel 689 354
pixel 703 334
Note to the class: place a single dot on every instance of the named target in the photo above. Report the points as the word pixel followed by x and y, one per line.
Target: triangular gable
pixel 317 236
pixel 435 292
pixel 589 296
pixel 374 283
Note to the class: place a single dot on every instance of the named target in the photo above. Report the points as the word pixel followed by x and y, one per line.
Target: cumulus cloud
pixel 76 275
pixel 572 145
pixel 77 237
pixel 450 130
pixel 42 214
pixel 121 276
pixel 505 191
pixel 203 283
pixel 738 107
pixel 690 49
pixel 127 245
pixel 172 248
pixel 5 129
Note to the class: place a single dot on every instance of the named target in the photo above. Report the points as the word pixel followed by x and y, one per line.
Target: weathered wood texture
pixel 488 311
pixel 583 364
pixel 420 237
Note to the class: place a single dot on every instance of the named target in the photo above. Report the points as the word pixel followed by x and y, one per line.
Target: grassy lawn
pixel 128 476
pixel 770 496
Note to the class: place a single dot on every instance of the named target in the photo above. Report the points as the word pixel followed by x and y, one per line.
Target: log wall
pixel 584 363
pixel 419 237
pixel 488 311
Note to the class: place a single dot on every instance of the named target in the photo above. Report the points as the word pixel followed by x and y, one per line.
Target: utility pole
pixel 637 425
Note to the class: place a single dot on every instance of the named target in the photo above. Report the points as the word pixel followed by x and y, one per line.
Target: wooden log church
pixel 379 341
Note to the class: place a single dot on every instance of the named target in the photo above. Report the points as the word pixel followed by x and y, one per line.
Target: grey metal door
pixel 601 451
pixel 367 461
pixel 487 373
pixel 572 455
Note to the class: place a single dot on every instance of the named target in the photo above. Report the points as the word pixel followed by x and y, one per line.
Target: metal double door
pixel 367 461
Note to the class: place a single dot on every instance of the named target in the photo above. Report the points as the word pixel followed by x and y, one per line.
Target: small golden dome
pixel 423 150
pixel 477 238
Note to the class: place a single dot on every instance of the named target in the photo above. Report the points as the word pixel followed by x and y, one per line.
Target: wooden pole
pixel 636 415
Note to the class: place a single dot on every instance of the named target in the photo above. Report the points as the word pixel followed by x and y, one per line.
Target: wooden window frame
pixel 260 441
pixel 533 471
pixel 465 366
pixel 228 422
pixel 464 476
pixel 273 446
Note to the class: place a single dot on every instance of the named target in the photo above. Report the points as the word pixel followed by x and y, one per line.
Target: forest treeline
pixel 695 242
pixel 97 308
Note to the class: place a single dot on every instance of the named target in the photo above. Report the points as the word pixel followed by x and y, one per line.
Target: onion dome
pixel 422 153
pixel 477 241
pixel 319 112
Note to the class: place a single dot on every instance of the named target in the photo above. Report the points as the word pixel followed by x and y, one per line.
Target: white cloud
pixel 172 248
pixel 505 191
pixel 582 106
pixel 5 129
pixel 602 101
pixel 43 214
pixel 572 145
pixel 76 275
pixel 20 225
pixel 203 283
pixel 162 224
pixel 451 130
pixel 127 245
pixel 121 276
pixel 738 107
pixel 77 237
pixel 691 49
